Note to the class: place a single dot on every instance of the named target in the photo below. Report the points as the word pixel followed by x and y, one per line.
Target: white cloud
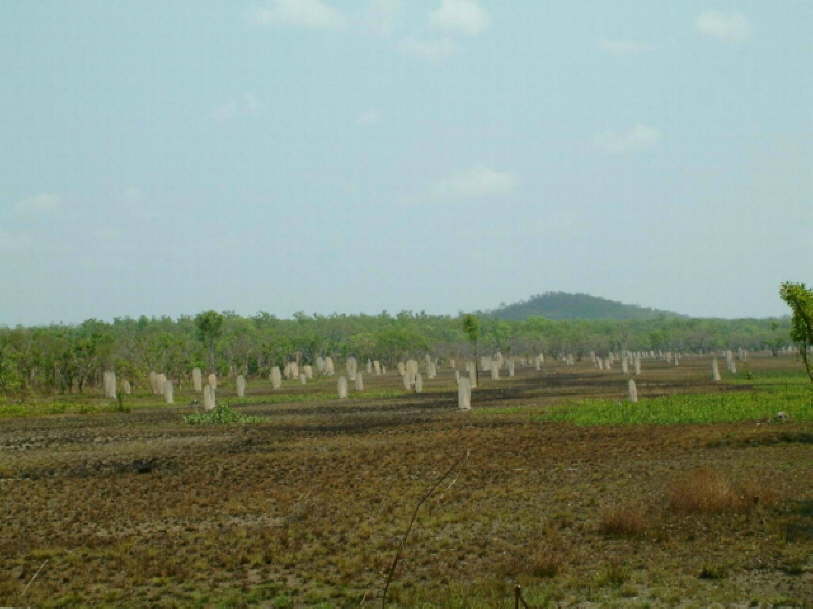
pixel 382 15
pixel 432 50
pixel 460 16
pixel 623 47
pixel 732 27
pixel 369 117
pixel 638 137
pixel 477 182
pixel 246 105
pixel 38 204
pixel 300 13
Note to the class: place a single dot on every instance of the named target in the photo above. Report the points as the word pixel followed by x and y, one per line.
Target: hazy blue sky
pixel 438 155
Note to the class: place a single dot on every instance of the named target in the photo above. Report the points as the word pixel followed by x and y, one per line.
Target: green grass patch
pixel 11 408
pixel 769 378
pixel 220 415
pixel 796 401
pixel 35 406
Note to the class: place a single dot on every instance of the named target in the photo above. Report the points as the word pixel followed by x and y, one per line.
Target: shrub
pixel 221 415
pixel 623 520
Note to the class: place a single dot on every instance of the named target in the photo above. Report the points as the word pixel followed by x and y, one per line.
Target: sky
pixel 432 155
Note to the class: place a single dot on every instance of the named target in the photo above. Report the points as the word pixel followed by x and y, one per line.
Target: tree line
pixel 59 358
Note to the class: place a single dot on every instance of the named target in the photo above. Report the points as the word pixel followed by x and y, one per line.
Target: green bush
pixel 221 415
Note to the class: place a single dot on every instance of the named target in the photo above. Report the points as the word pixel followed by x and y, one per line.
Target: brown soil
pixel 308 506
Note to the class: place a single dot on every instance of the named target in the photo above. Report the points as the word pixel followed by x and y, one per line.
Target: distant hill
pixel 561 305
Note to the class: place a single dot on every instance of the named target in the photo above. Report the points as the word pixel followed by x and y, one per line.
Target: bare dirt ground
pixel 307 507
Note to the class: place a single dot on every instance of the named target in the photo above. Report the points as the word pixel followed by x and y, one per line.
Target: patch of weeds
pixel 11 410
pixel 282 601
pixel 713 572
pixel 543 558
pixel 545 562
pixel 626 520
pixel 537 597
pixel 65 602
pixel 628 591
pixel 705 490
pixel 220 415
pixel 785 602
pixel 614 575
pixel 42 406
pixel 795 565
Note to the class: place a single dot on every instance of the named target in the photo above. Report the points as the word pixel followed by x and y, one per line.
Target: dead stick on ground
pixel 401 546
pixel 31 581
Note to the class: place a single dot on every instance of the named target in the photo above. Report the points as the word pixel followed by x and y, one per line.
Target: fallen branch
pixel 31 581
pixel 422 500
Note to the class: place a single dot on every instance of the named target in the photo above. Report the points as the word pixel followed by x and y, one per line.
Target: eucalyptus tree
pixel 471 328
pixel 240 344
pixel 209 326
pixel 800 301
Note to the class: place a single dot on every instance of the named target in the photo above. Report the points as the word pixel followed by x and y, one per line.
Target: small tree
pixel 800 301
pixel 776 338
pixel 210 327
pixel 471 328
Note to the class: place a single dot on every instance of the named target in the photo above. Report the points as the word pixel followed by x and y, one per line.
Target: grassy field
pixel 794 401
pixel 696 496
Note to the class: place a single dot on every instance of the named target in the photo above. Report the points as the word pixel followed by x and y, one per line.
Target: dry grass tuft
pixel 545 561
pixel 546 557
pixel 705 490
pixel 541 562
pixel 626 520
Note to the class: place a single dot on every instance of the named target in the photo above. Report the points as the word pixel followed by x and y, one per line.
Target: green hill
pixel 561 305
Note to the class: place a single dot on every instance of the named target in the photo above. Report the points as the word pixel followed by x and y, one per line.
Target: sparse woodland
pixel 63 358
